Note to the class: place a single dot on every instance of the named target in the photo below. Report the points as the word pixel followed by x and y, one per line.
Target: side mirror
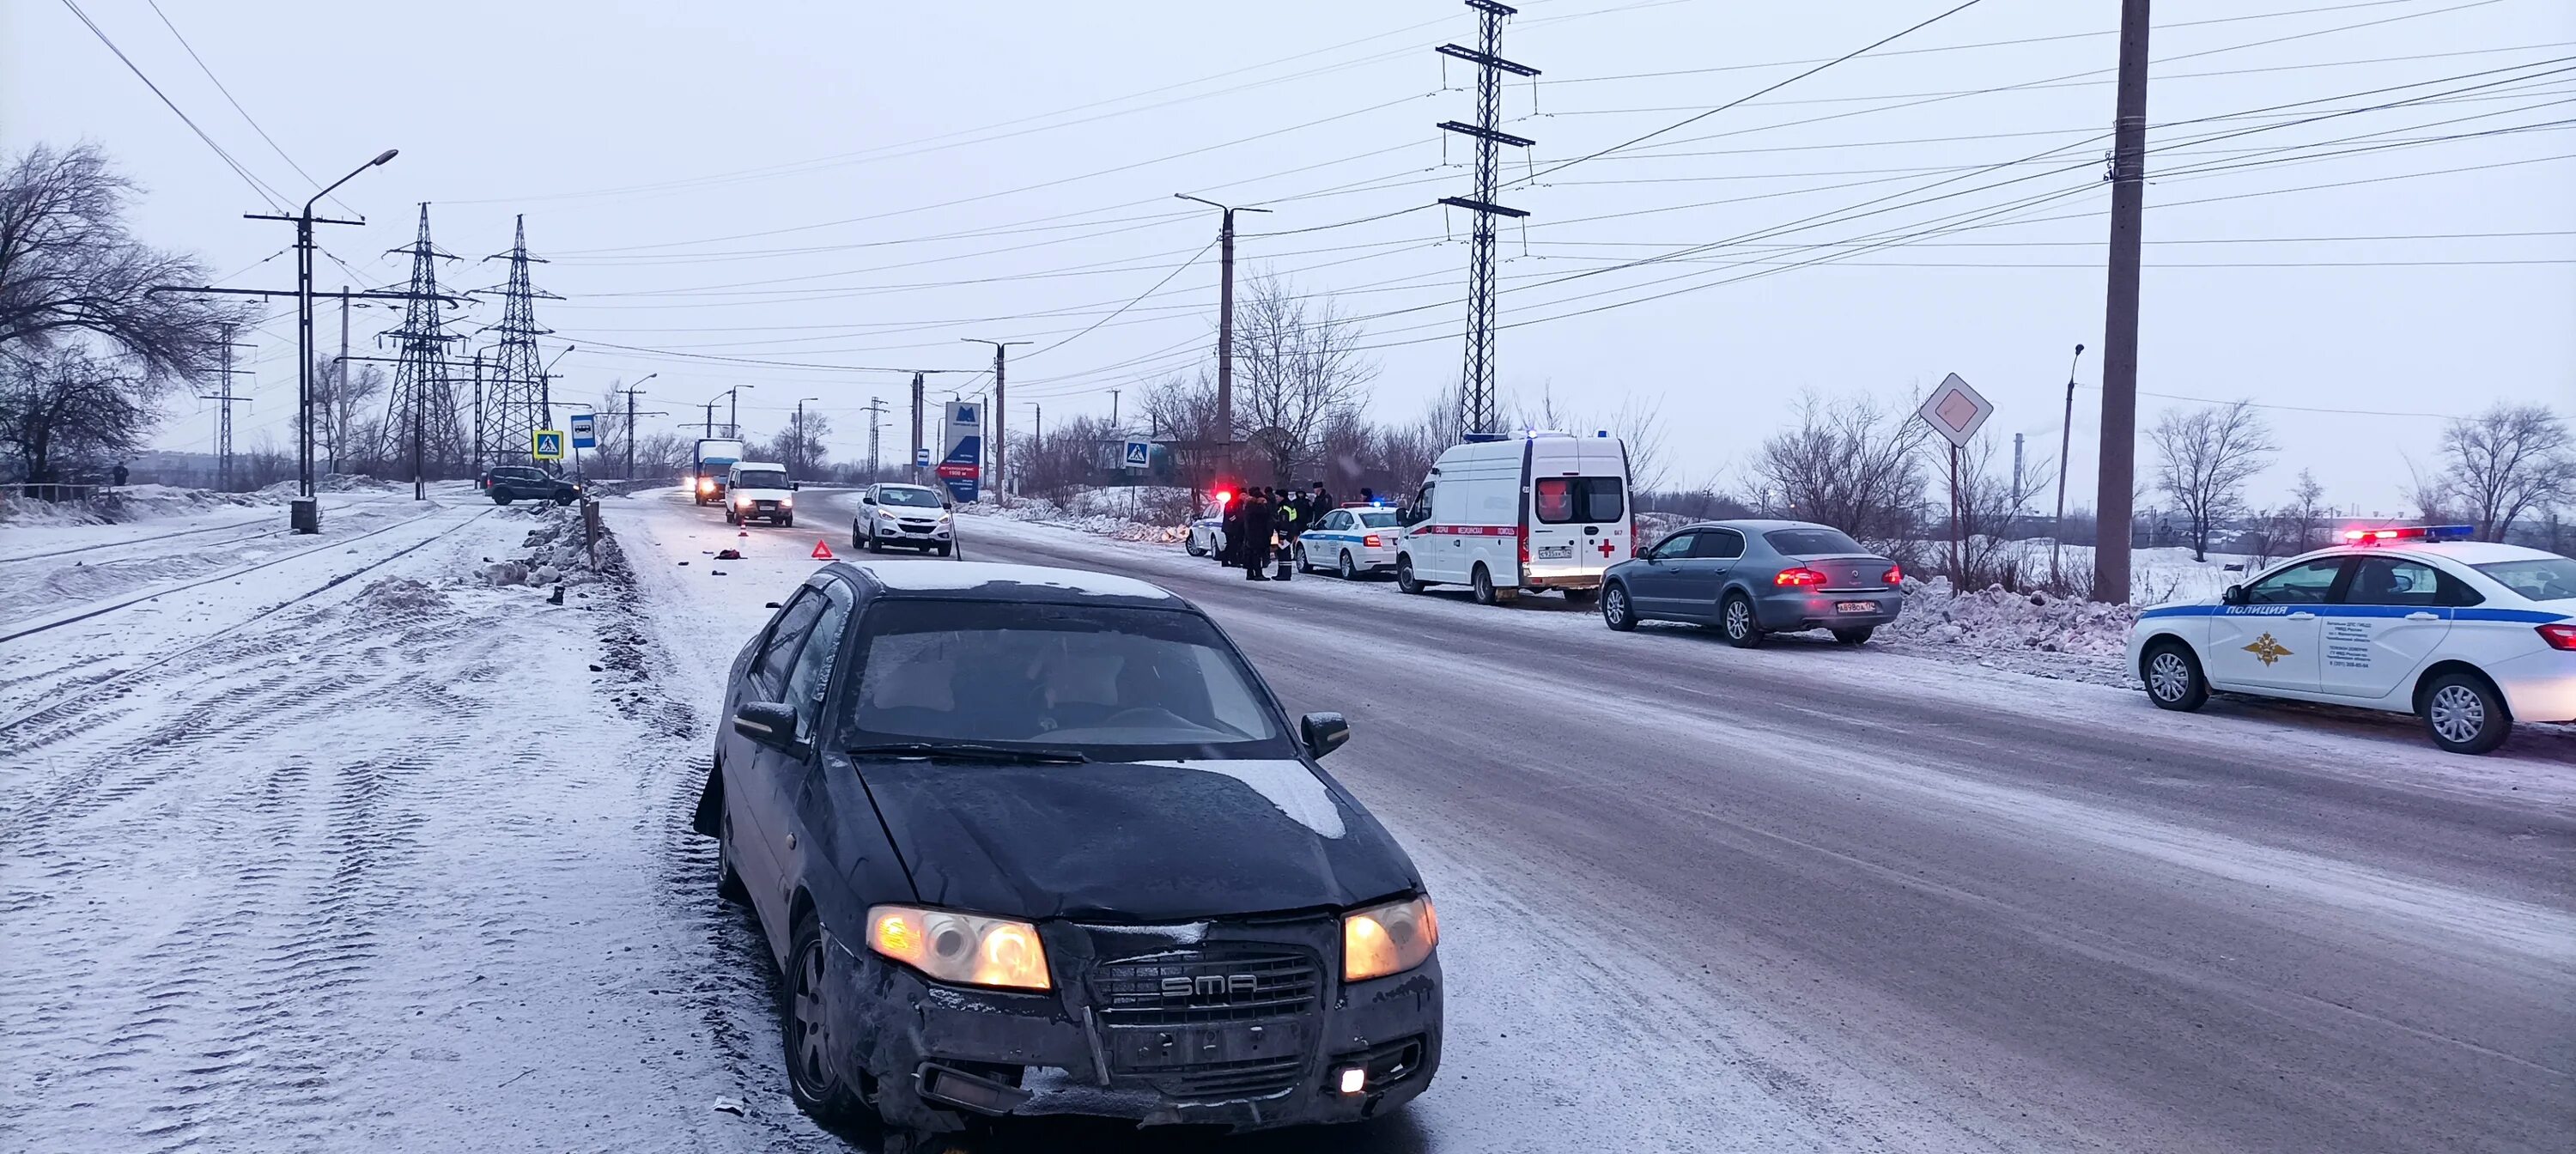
pixel 2235 595
pixel 1323 733
pixel 796 484
pixel 864 499
pixel 770 723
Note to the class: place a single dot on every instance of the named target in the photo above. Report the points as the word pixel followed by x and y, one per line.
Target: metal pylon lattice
pixel 1477 401
pixel 516 400
pixel 420 416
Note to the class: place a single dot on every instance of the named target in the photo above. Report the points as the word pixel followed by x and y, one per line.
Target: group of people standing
pixel 1263 520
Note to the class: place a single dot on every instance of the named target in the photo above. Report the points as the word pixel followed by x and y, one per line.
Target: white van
pixel 759 490
pixel 1542 510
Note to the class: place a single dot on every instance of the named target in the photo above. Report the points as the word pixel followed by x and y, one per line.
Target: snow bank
pixel 397 597
pixel 554 553
pixel 1116 526
pixel 334 483
pixel 1996 619
pixel 120 505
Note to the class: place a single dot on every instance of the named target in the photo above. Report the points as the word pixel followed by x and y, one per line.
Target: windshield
pixel 1811 542
pixel 922 498
pixel 2541 578
pixel 1110 682
pixel 761 479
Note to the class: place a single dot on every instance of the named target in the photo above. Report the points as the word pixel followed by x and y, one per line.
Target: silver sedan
pixel 1752 578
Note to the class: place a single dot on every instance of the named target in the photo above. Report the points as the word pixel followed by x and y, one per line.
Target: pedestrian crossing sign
pixel 1140 455
pixel 548 446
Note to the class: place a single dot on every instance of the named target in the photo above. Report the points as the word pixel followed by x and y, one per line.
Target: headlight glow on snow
pixel 961 948
pixel 1388 939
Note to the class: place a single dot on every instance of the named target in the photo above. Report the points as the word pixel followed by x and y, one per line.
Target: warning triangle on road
pixel 823 550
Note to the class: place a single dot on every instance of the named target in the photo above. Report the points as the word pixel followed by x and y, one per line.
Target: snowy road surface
pixel 335 847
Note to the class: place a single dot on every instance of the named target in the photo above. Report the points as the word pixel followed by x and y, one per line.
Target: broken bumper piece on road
pixel 1287 1044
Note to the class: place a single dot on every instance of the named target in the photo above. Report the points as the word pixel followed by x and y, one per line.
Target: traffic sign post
pixel 546 445
pixel 1957 411
pixel 583 431
pixel 921 458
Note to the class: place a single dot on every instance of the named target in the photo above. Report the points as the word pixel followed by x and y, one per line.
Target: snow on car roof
pixel 760 465
pixel 960 576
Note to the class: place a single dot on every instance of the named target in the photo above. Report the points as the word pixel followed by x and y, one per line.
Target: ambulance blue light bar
pixel 2410 533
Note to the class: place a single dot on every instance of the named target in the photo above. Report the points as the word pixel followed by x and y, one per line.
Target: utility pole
pixel 224 420
pixel 711 419
pixel 2120 325
pixel 341 397
pixel 915 459
pixel 796 443
pixel 997 407
pixel 1477 402
pixel 876 428
pixel 1113 410
pixel 631 391
pixel 306 514
pixel 2065 449
pixel 478 412
pixel 2017 490
pixel 1224 330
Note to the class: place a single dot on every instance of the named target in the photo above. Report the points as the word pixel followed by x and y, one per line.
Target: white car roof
pixel 920 577
pixel 760 465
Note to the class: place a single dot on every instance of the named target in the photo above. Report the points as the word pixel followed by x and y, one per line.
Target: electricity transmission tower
pixel 420 418
pixel 876 430
pixel 224 422
pixel 516 399
pixel 1476 399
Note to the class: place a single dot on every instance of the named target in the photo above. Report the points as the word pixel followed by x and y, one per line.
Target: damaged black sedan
pixel 1033 841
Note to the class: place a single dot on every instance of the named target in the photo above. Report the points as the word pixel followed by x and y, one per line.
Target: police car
pixel 1207 534
pixel 1350 541
pixel 2468 635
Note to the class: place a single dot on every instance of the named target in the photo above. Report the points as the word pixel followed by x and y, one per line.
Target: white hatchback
pixel 2470 636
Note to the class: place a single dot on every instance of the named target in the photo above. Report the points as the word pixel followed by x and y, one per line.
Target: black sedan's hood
pixel 1133 841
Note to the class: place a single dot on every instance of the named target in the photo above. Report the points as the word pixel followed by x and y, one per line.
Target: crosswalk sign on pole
pixel 1140 455
pixel 548 445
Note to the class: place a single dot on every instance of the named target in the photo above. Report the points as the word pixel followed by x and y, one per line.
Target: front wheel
pixel 805 1016
pixel 944 548
pixel 563 498
pixel 2173 677
pixel 2464 714
pixel 502 497
pixel 1615 612
pixel 1196 549
pixel 1404 579
pixel 1743 630
pixel 787 522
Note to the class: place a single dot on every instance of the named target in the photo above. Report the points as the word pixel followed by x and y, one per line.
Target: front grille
pixel 1258 1078
pixel 1146 991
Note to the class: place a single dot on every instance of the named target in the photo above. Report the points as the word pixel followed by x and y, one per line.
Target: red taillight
pixel 1524 550
pixel 1800 576
pixel 2559 636
pixel 1371 541
pixel 1895 576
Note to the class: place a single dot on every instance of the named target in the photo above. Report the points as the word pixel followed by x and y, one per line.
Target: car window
pixel 2540 578
pixel 2392 581
pixel 809 677
pixel 769 674
pixel 1336 519
pixel 1676 546
pixel 1376 519
pixel 1578 500
pixel 1101 679
pixel 761 479
pixel 1719 545
pixel 2304 584
pixel 916 498
pixel 1814 542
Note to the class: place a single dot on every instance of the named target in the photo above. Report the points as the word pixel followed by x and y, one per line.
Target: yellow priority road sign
pixel 549 445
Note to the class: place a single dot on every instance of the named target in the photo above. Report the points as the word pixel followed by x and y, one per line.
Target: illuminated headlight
pixel 743 501
pixel 706 485
pixel 1388 939
pixel 887 517
pixel 960 948
pixel 787 502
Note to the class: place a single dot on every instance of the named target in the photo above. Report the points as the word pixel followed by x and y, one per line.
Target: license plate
pixel 1556 552
pixel 1856 606
pixel 1159 1047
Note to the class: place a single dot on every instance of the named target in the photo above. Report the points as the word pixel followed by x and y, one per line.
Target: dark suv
pixel 1033 841
pixel 507 483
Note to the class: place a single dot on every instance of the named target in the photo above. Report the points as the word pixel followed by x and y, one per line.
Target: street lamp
pixel 306 515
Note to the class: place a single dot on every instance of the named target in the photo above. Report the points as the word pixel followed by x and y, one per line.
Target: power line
pixel 265 192
pixel 247 118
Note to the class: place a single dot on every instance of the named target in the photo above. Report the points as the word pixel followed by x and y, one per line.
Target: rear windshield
pixel 2541 578
pixel 922 498
pixel 761 479
pixel 1811 542
pixel 1579 500
pixel 1107 681
pixel 1376 520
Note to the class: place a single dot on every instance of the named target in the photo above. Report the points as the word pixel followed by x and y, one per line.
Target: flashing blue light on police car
pixel 2410 533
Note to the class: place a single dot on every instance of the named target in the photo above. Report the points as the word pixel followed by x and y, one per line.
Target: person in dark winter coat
pixel 1229 521
pixel 1319 501
pixel 1257 527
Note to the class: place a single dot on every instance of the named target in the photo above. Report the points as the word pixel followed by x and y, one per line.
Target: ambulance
pixel 1526 513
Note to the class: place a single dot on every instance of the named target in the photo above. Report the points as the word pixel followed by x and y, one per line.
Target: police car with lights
pixel 2469 635
pixel 1207 533
pixel 1350 541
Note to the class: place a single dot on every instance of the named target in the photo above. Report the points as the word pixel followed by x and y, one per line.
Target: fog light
pixel 1353 1080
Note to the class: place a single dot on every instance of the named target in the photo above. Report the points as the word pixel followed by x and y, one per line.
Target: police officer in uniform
pixel 1257 527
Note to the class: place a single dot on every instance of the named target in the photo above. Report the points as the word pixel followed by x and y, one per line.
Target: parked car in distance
pixel 913 516
pixel 1207 532
pixel 1030 841
pixel 507 483
pixel 1754 578
pixel 1352 540
pixel 759 491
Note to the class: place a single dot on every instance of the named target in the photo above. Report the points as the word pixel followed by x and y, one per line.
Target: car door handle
pixel 2301 617
pixel 2420 615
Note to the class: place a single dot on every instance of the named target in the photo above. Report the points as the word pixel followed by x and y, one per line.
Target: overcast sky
pixel 859 186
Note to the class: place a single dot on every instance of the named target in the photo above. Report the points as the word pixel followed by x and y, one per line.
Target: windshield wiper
pixel 968 751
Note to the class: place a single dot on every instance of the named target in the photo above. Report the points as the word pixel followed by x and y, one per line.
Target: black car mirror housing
pixel 1323 732
pixel 770 723
pixel 2235 595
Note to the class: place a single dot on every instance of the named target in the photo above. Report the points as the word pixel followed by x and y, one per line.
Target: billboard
pixel 961 468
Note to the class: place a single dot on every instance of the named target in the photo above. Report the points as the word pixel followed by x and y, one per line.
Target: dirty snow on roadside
pixel 362 852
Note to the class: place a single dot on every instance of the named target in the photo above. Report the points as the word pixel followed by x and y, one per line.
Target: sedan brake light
pixel 2559 636
pixel 1895 576
pixel 1798 577
pixel 1372 541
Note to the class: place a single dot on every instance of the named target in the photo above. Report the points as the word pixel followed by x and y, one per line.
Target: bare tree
pixel 69 408
pixel 1851 462
pixel 2205 457
pixel 799 446
pixel 2504 463
pixel 2307 507
pixel 69 268
pixel 1987 500
pixel 1296 365
pixel 1637 421
pixel 343 405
